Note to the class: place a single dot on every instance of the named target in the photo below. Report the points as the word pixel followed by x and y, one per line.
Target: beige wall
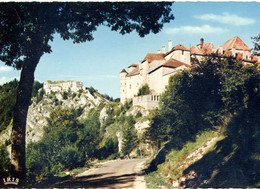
pixel 123 91
pixel 133 85
pixel 155 80
pixel 181 55
pixel 73 86
pixel 146 101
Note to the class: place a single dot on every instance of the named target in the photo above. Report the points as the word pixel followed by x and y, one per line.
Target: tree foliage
pixel 34 23
pixel 36 86
pixel 66 144
pixel 26 30
pixel 201 98
pixel 8 94
pixel 129 135
pixel 144 90
pixel 256 41
pixel 4 163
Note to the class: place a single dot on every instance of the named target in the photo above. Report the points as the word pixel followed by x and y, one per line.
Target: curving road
pixel 112 174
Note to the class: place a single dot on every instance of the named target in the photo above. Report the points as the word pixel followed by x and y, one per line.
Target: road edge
pixel 139 182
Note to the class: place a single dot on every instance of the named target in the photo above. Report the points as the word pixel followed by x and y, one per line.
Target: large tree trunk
pixel 24 93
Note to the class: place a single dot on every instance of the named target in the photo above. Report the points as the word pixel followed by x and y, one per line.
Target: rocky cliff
pixel 39 110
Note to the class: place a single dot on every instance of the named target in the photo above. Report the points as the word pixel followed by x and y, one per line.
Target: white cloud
pixel 4 79
pixel 195 29
pixel 227 18
pixel 5 68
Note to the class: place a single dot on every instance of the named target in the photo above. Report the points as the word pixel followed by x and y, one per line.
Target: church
pixel 156 68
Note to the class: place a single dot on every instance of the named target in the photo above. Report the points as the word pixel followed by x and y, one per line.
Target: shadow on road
pixel 93 181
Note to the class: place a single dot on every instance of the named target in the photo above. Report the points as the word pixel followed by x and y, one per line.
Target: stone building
pixel 156 68
pixel 72 86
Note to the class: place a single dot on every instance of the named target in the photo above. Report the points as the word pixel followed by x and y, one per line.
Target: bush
pixel 39 97
pixel 7 102
pixel 74 95
pixel 144 90
pixel 36 86
pixel 65 95
pixel 109 150
pixel 92 91
pixel 65 145
pixel 130 139
pixel 4 162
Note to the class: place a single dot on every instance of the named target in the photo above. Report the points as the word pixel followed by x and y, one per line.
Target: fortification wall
pixel 73 86
pixel 147 101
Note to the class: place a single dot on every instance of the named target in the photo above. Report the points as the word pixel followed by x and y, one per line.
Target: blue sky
pixel 99 62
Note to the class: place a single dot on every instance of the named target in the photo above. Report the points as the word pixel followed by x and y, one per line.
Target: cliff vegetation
pixel 208 127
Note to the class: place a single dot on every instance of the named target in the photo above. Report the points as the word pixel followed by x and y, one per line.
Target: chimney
pixel 201 42
pixel 158 51
pixel 169 45
pixel 163 50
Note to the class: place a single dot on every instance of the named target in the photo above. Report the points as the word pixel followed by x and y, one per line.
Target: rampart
pixel 73 86
pixel 147 101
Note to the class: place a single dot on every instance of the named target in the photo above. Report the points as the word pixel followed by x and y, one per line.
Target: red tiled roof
pixel 254 59
pixel 133 65
pixel 195 50
pixel 174 63
pixel 236 43
pixel 154 56
pixel 208 48
pixel 123 71
pixel 239 56
pixel 180 47
pixel 136 71
pixel 228 53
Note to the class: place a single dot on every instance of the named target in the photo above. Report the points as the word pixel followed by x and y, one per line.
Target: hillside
pixel 208 127
pixel 85 126
pixel 43 104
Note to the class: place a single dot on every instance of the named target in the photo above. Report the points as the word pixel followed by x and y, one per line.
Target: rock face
pixel 38 112
pixel 83 101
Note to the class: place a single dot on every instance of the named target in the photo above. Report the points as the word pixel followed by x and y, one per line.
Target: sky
pixel 98 63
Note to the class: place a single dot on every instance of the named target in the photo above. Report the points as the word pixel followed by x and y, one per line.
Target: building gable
pixel 236 43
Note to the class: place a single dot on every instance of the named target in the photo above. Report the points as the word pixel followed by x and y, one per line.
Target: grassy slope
pixel 215 164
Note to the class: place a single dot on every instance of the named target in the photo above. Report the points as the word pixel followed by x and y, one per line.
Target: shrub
pixel 74 95
pixel 144 90
pixel 39 97
pixel 64 145
pixel 65 95
pixel 36 86
pixel 7 102
pixel 4 162
pixel 129 135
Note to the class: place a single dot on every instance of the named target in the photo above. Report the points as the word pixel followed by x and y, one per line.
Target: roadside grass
pixel 79 170
pixel 175 160
pixel 172 167
pixel 154 180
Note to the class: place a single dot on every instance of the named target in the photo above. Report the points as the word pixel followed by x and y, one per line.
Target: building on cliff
pixel 60 86
pixel 156 68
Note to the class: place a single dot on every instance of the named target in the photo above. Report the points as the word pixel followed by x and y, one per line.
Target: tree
pixel 144 90
pixel 61 147
pixel 27 28
pixel 129 136
pixel 256 41
pixel 7 101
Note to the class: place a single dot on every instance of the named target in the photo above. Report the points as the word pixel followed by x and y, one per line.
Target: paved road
pixel 112 174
